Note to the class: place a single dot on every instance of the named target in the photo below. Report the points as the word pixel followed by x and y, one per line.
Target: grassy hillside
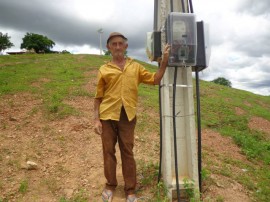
pixel 55 80
pixel 230 112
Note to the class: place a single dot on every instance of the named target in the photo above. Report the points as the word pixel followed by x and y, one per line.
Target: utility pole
pixel 100 31
pixel 186 140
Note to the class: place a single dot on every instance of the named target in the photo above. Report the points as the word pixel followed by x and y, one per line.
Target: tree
pixel 5 42
pixel 65 52
pixel 107 52
pixel 222 81
pixel 37 42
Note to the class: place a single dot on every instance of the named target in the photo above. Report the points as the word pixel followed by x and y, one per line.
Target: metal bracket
pixel 177 85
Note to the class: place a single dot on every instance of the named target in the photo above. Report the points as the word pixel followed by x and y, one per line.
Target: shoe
pixel 107 195
pixel 132 198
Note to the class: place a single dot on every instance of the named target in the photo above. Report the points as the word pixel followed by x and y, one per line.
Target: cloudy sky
pixel 239 31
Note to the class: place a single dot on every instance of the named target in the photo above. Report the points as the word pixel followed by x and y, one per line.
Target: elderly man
pixel 115 111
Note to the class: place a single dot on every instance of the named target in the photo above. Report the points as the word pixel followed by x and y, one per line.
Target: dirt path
pixel 217 148
pixel 69 156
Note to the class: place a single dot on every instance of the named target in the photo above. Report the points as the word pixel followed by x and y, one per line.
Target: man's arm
pixel 163 64
pixel 97 122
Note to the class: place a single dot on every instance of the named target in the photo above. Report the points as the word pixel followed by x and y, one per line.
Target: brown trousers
pixel 123 132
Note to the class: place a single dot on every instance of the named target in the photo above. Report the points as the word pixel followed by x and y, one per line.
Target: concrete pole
pixel 187 156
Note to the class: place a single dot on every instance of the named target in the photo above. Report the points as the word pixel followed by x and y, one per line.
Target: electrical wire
pixel 155 15
pixel 191 6
pixel 160 132
pixel 174 126
pixel 174 136
pixel 199 129
pixel 171 5
pixel 183 6
pixel 198 117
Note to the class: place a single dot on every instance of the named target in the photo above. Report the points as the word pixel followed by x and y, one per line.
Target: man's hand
pixel 163 64
pixel 97 124
pixel 166 53
pixel 98 127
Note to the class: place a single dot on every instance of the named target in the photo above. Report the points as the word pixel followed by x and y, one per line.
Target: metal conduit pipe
pixel 155 28
pixel 191 6
pixel 198 116
pixel 160 134
pixel 199 129
pixel 174 136
pixel 174 124
pixel 183 6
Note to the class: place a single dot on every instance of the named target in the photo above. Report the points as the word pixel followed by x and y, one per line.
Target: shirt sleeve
pixel 146 76
pixel 100 86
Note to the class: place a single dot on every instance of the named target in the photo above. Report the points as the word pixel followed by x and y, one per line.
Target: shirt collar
pixel 128 61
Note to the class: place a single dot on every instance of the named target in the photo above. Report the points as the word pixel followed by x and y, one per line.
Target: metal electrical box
pixel 182 37
pixel 153 45
pixel 203 47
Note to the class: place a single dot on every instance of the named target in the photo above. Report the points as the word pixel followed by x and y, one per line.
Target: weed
pixel 81 196
pixel 148 172
pixel 4 126
pixel 51 184
pixel 81 92
pixel 161 192
pixel 33 111
pixel 205 174
pixel 219 199
pixel 189 187
pixel 225 170
pixel 148 177
pixel 23 187
pixel 191 192
pixel 13 163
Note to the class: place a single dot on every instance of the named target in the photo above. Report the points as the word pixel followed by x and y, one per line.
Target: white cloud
pixel 240 43
pixel 89 11
pixel 85 49
pixel 239 31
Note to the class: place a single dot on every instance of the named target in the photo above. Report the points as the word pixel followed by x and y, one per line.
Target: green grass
pixel 218 112
pixel 148 172
pixel 81 196
pixel 23 187
pixel 54 78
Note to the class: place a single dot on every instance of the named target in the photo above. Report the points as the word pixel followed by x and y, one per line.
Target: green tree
pixel 65 52
pixel 5 42
pixel 37 42
pixel 222 81
pixel 107 52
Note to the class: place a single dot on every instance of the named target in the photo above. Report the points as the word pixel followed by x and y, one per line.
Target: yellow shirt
pixel 119 88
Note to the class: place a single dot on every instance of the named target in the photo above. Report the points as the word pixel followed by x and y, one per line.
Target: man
pixel 115 111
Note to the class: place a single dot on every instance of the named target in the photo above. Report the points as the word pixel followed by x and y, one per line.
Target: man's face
pixel 117 46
